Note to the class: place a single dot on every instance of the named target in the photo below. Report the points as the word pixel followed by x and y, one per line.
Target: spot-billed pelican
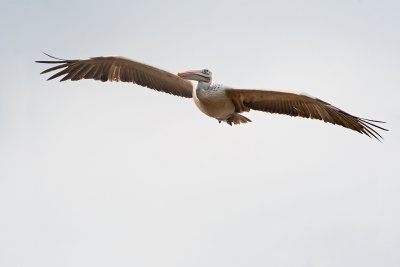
pixel 217 101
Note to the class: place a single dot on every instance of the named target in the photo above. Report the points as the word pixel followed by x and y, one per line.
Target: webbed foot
pixel 229 120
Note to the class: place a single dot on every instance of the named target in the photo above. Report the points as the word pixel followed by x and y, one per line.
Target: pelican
pixel 217 101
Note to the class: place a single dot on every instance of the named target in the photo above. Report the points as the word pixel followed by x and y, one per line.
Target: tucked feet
pixel 234 119
pixel 229 120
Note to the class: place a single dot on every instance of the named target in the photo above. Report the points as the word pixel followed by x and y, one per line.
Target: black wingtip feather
pixel 57 61
pixel 374 125
pixel 54 57
pixel 51 62
pixel 373 120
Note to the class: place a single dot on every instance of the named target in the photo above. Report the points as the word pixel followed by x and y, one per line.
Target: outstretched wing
pixel 120 69
pixel 300 105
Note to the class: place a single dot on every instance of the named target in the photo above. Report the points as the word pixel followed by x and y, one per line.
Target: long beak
pixel 188 74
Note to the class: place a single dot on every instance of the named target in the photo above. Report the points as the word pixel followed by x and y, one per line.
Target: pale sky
pixel 112 174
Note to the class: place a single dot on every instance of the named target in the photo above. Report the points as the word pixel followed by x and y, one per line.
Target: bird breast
pixel 213 101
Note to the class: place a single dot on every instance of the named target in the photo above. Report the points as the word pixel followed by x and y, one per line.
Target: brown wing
pixel 300 105
pixel 120 69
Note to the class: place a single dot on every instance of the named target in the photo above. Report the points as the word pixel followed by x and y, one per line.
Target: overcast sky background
pixel 112 174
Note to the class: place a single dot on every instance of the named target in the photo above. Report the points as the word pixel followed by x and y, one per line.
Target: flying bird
pixel 217 101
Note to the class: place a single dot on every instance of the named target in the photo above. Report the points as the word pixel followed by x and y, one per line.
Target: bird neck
pixel 203 85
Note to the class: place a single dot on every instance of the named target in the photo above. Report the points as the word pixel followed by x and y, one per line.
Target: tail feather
pixel 238 119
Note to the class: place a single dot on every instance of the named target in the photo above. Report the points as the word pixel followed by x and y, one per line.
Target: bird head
pixel 203 75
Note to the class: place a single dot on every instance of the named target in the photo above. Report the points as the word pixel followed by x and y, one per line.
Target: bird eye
pixel 205 71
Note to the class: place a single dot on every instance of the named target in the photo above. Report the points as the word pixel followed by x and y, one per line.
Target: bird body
pixel 213 101
pixel 217 101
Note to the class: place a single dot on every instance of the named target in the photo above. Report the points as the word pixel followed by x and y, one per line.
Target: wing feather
pixel 119 69
pixel 300 105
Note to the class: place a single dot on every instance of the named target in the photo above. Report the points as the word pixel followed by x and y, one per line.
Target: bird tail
pixel 238 119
